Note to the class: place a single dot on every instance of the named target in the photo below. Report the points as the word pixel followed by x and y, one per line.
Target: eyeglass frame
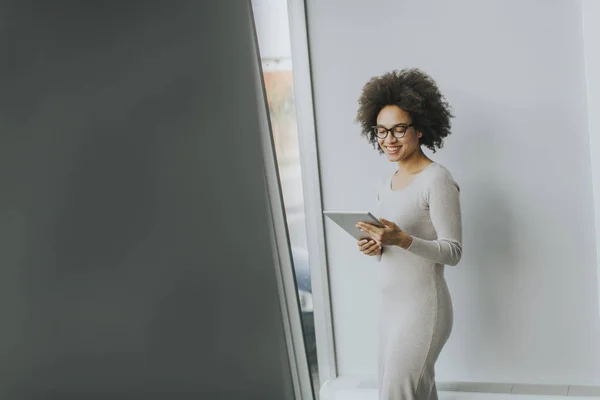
pixel 388 131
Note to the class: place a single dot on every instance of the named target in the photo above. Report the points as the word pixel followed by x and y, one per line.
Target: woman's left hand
pixel 390 235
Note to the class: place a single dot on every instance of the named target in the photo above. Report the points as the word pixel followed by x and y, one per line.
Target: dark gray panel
pixel 134 249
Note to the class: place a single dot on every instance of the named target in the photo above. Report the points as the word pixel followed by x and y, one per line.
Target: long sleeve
pixel 378 191
pixel 444 210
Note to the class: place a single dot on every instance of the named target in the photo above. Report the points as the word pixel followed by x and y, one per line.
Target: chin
pixel 394 157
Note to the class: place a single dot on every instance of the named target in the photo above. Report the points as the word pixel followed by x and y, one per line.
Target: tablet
pixel 347 220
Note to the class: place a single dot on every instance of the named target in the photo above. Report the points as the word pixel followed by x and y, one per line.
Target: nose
pixel 390 138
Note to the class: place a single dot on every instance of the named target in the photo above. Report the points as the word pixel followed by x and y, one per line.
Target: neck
pixel 414 163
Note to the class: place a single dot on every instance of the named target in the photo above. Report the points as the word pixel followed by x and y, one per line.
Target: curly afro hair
pixel 416 93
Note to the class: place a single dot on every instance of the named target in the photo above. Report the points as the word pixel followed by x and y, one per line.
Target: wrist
pixel 405 240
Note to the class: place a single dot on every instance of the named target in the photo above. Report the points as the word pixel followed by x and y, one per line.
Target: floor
pixel 355 389
pixel 372 395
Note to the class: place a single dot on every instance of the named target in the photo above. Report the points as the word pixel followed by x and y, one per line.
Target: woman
pixel 419 207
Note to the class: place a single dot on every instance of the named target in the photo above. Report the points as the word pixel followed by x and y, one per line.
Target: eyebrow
pixel 400 123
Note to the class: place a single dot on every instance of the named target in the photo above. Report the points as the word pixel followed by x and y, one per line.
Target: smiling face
pixel 395 149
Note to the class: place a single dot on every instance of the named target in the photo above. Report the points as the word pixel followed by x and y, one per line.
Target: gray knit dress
pixel 415 308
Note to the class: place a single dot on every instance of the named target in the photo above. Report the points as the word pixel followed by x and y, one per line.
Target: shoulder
pixel 439 176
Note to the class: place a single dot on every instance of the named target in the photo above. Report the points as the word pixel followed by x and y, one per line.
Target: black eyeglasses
pixel 398 131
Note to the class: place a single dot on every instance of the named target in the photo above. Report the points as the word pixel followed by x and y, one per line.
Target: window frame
pixel 311 183
pixel 282 257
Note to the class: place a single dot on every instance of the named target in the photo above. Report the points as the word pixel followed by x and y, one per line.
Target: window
pixel 271 20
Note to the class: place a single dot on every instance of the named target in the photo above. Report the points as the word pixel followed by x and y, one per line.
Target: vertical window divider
pixel 311 182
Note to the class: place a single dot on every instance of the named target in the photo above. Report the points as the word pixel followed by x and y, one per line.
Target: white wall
pixel 525 293
pixel 591 40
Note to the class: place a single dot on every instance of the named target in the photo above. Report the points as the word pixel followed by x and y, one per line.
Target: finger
pixel 372 247
pixel 376 237
pixel 361 226
pixel 369 251
pixel 374 250
pixel 367 245
pixel 366 227
pixel 374 253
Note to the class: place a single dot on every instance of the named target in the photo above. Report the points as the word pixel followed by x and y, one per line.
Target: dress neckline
pixel 418 175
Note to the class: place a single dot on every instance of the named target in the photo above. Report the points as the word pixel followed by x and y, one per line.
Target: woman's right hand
pixel 369 247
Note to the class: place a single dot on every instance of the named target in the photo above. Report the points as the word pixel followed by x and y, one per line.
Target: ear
pixel 419 134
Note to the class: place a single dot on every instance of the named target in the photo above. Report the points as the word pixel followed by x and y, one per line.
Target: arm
pixel 379 185
pixel 445 214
